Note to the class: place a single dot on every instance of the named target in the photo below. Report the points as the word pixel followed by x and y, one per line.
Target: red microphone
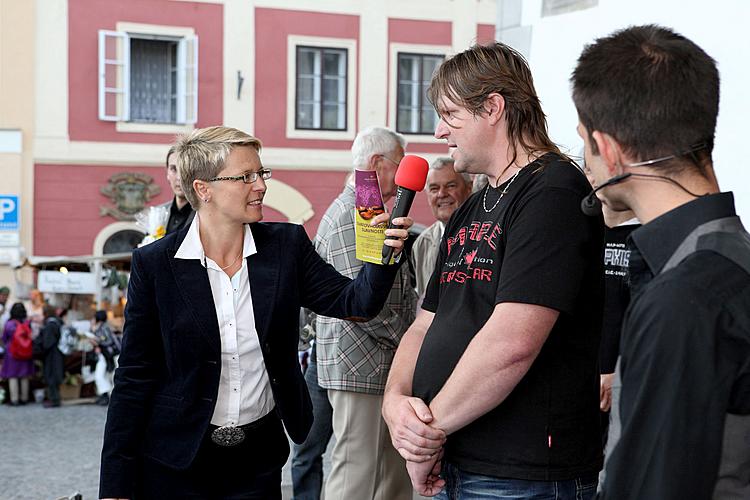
pixel 410 178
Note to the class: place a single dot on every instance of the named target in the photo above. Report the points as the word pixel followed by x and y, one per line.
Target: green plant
pixel 73 379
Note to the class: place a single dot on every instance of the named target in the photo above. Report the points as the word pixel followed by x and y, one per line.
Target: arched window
pixel 122 241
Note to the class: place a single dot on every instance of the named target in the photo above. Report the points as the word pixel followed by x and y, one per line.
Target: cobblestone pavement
pixel 52 453
pixel 49 454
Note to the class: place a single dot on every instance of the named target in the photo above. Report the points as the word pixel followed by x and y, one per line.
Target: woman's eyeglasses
pixel 247 177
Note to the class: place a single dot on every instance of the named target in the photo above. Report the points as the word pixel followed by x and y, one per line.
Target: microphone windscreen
pixel 412 172
pixel 591 205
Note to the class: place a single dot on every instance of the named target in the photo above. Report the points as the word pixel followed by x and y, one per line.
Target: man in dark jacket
pixel 180 212
pixel 647 101
pixel 53 359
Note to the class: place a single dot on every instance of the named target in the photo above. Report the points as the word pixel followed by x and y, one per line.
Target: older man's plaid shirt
pixel 352 356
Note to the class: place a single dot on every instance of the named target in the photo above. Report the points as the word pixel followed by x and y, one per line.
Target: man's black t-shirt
pixel 616 293
pixel 534 247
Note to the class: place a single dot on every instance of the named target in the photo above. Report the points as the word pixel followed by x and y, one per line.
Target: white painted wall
pixel 718 27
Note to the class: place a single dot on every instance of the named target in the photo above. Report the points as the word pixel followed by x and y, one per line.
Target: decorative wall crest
pixel 130 192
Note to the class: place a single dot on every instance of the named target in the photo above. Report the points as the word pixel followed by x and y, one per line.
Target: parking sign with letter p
pixel 8 212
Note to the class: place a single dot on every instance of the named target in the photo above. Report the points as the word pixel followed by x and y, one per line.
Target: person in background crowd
pixel 496 381
pixel 647 101
pixel 68 336
pixel 616 301
pixel 53 363
pixel 107 348
pixel 208 377
pixel 4 313
pixel 16 371
pixel 618 226
pixel 180 212
pixel 478 182
pixel 446 191
pixel 307 461
pixel 35 310
pixel 353 359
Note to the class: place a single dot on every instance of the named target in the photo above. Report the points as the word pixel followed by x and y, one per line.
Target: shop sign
pixel 10 255
pixel 9 239
pixel 70 282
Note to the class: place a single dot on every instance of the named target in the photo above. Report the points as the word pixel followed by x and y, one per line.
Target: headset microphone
pixel 591 205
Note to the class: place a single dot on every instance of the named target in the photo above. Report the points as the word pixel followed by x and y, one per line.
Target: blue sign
pixel 8 212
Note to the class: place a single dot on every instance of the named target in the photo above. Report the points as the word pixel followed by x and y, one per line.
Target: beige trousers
pixel 364 464
pixel 13 387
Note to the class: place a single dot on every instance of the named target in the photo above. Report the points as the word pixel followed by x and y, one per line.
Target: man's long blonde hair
pixel 469 77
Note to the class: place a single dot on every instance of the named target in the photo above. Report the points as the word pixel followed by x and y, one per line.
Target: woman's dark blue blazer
pixel 168 377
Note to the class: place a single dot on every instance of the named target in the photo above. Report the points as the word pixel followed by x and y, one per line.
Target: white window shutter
pixel 114 76
pixel 187 80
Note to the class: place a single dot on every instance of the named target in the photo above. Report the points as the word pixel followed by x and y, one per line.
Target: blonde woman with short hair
pixel 208 375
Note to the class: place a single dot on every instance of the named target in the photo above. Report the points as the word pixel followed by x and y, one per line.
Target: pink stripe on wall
pixel 86 17
pixel 272 28
pixel 67 223
pixel 425 32
pixel 67 200
pixel 485 33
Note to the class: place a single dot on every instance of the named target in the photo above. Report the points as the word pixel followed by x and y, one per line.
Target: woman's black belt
pixel 230 435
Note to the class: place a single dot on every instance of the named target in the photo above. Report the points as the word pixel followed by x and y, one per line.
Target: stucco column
pixel 373 64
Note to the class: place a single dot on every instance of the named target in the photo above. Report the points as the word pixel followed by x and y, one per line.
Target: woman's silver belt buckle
pixel 228 435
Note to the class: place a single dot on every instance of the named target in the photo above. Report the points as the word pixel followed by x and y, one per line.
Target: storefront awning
pixel 44 261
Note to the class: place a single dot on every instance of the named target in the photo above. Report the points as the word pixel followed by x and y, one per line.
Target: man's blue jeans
pixel 307 462
pixel 466 486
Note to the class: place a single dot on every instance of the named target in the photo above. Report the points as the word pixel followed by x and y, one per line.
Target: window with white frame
pixel 321 88
pixel 147 78
pixel 414 112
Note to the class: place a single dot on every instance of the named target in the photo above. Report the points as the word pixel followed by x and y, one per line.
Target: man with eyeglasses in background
pixel 354 358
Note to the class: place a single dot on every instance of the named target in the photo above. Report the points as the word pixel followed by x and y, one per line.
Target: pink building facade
pixel 121 79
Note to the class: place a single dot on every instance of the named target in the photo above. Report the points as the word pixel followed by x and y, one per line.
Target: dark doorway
pixel 123 241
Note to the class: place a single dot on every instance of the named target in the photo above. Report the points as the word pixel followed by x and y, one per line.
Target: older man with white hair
pixel 354 358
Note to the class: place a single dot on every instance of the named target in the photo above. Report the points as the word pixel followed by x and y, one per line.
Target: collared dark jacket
pixel 54 361
pixel 170 219
pixel 169 370
pixel 685 366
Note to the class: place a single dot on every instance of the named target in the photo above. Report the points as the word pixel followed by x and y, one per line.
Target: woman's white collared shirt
pixel 244 389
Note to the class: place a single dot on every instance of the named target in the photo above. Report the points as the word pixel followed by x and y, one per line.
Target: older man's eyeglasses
pixel 247 177
pixel 391 160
